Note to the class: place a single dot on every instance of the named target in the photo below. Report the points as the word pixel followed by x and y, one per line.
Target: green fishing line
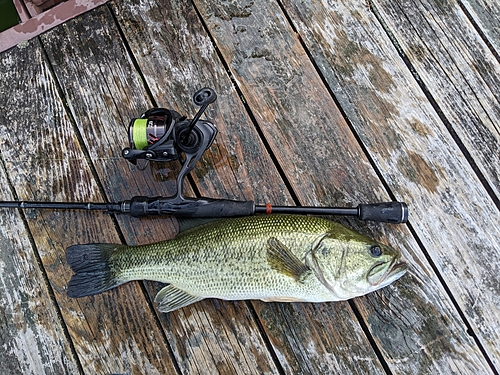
pixel 139 133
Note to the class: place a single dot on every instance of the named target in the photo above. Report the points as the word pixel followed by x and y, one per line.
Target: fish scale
pixel 272 257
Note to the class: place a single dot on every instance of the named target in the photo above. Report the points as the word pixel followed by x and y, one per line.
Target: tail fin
pixel 93 268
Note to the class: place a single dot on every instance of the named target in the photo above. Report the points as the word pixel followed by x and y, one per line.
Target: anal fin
pixel 281 259
pixel 171 298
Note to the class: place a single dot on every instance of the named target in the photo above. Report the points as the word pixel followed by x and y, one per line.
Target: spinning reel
pixel 162 135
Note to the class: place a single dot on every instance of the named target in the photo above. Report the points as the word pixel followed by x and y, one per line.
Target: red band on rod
pixel 269 208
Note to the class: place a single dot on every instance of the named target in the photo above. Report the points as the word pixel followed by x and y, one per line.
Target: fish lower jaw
pixel 396 272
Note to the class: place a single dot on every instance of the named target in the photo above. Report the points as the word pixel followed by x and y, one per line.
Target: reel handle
pixel 203 98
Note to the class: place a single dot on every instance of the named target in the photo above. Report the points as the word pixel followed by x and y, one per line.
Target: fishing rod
pixel 163 135
pixel 139 206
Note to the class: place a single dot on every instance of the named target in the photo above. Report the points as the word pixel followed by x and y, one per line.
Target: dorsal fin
pixel 186 223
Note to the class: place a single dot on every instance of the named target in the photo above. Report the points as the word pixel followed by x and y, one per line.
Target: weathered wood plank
pixel 318 338
pixel 206 337
pixel 309 137
pixel 452 215
pixel 219 338
pixel 45 162
pixel 459 70
pixel 32 335
pixel 486 15
pixel 313 351
pixel 464 78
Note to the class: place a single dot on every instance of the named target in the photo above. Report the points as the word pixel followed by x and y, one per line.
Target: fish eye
pixel 375 251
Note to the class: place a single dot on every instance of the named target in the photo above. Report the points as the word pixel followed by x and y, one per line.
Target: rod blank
pixel 59 205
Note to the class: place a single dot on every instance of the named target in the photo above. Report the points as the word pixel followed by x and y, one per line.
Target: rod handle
pixel 186 207
pixel 387 212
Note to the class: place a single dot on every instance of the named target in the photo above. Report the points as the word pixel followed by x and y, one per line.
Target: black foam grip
pixel 224 208
pixel 202 207
pixel 387 212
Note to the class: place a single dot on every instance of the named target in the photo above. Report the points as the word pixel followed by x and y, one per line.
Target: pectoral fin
pixel 281 259
pixel 171 298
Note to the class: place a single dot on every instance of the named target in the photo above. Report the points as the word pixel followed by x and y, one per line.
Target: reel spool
pixel 161 135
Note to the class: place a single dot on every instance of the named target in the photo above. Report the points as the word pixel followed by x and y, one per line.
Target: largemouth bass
pixel 285 258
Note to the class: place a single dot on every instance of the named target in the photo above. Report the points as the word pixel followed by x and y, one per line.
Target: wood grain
pixel 32 335
pixel 460 71
pixel 45 162
pixel 420 162
pixel 485 15
pixel 296 113
pixel 464 78
pixel 177 58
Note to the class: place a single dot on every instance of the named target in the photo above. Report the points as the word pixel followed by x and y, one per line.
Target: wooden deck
pixel 320 103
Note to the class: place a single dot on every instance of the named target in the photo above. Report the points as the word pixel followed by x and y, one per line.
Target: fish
pixel 281 258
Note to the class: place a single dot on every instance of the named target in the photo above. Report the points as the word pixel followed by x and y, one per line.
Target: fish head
pixel 350 264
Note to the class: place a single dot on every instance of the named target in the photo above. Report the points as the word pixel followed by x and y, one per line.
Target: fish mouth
pixel 394 271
